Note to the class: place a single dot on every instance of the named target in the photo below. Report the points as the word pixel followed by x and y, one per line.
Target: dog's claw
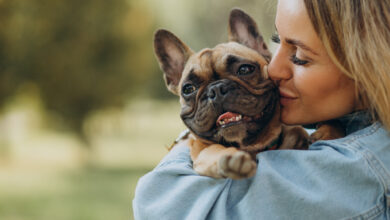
pixel 237 166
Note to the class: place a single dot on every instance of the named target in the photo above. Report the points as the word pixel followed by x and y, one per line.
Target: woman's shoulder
pixel 374 139
pixel 356 166
pixel 371 144
pixel 371 138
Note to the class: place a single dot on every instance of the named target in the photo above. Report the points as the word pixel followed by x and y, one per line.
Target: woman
pixel 332 63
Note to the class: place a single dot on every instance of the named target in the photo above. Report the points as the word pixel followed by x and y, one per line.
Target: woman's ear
pixel 172 55
pixel 243 30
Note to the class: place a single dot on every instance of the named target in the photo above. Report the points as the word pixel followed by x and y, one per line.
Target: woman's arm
pixel 326 182
pixel 173 190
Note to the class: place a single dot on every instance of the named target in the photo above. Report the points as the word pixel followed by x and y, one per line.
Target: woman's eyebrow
pixel 297 43
pixel 300 44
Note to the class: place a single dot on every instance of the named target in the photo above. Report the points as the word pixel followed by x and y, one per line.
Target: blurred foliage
pixel 92 54
pixel 80 54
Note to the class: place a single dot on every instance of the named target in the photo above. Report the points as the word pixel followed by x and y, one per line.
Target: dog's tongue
pixel 227 115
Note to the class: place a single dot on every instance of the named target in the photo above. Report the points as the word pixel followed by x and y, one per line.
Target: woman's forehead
pixel 291 6
pixel 292 22
pixel 292 13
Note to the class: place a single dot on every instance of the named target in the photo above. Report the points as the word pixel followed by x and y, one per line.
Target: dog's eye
pixel 245 69
pixel 188 89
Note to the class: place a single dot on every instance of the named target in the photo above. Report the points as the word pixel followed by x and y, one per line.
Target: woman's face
pixel 311 87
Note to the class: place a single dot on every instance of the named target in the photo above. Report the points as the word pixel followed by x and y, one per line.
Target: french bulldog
pixel 228 102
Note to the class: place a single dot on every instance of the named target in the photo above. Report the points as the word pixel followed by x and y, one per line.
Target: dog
pixel 228 99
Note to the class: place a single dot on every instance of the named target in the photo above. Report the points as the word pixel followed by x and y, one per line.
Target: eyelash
pixel 294 59
pixel 275 38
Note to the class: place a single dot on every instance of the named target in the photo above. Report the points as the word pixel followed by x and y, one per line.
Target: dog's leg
pixel 328 130
pixel 218 161
pixel 294 137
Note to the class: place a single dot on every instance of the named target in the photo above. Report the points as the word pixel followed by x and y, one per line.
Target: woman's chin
pixel 286 117
pixel 292 118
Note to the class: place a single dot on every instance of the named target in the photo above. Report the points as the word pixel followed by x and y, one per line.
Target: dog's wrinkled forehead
pixel 199 65
pixel 219 61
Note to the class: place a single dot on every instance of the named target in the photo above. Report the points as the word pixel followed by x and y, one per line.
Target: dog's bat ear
pixel 172 55
pixel 243 30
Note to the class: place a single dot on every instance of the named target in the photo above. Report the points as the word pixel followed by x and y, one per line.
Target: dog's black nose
pixel 217 90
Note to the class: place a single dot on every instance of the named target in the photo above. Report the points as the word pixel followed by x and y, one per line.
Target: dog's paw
pixel 328 131
pixel 237 166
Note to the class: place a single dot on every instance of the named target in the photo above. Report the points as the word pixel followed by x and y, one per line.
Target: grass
pixel 91 193
pixel 47 174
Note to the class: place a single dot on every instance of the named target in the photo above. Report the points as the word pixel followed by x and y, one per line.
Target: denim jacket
pixel 346 178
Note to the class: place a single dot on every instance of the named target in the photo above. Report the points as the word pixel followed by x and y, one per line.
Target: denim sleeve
pixel 325 182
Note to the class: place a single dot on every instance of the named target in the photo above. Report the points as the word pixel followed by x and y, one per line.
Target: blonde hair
pixel 356 35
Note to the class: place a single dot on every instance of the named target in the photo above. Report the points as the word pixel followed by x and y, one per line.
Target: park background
pixel 84 111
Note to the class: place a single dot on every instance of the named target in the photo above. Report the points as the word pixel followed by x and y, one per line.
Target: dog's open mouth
pixel 230 118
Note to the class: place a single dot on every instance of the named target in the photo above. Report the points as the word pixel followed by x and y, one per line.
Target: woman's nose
pixel 279 68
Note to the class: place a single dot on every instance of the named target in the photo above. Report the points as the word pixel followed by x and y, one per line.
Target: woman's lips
pixel 286 97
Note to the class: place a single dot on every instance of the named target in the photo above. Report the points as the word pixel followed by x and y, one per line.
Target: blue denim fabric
pixel 347 178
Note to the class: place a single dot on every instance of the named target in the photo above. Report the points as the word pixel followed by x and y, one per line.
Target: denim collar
pixel 356 121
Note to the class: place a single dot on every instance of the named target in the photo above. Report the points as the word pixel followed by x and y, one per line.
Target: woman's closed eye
pixel 294 59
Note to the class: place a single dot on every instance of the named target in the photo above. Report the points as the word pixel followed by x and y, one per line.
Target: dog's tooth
pixel 232 119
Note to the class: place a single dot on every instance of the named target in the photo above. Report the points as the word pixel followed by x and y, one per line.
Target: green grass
pixel 48 174
pixel 91 193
